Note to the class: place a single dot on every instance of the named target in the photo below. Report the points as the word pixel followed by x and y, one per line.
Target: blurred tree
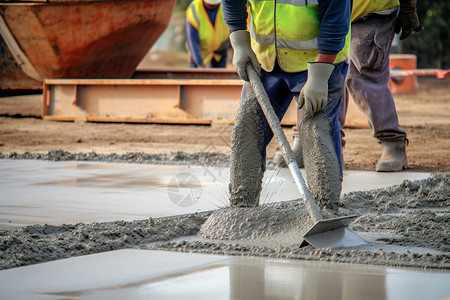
pixel 182 5
pixel 178 26
pixel 432 45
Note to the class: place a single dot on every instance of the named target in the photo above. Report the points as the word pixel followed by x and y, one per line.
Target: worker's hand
pixel 243 53
pixel 407 20
pixel 314 94
pixel 223 49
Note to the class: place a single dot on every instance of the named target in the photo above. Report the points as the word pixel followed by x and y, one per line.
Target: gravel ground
pixel 174 158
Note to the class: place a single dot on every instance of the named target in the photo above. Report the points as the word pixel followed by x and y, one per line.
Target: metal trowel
pixel 325 233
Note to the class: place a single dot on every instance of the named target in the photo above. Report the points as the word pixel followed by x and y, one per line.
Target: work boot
pixel 278 159
pixel 393 158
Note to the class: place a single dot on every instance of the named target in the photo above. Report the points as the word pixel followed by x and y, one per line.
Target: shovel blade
pixel 333 233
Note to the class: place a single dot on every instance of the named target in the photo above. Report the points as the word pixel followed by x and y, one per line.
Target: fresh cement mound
pixel 407 225
pixel 41 243
pixel 235 223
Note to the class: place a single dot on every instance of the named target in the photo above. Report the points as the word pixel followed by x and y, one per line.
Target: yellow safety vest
pixel 365 7
pixel 287 30
pixel 211 37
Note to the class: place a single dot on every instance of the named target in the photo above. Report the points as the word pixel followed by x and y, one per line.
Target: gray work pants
pixel 368 76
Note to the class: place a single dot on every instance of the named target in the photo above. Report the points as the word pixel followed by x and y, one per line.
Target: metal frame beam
pixel 169 101
pixel 178 101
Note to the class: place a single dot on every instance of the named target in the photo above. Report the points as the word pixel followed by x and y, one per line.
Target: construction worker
pixel 207 34
pixel 374 24
pixel 303 58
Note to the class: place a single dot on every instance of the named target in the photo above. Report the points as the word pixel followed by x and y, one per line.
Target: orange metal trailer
pixel 77 38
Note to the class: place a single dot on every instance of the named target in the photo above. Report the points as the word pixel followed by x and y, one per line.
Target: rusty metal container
pixel 77 39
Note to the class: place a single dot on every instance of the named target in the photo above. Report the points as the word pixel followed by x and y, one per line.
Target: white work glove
pixel 314 94
pixel 243 53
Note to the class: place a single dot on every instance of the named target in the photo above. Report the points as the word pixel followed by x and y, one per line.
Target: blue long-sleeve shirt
pixel 334 25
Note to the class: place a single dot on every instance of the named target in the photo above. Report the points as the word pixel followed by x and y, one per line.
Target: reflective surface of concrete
pixel 39 192
pixel 141 274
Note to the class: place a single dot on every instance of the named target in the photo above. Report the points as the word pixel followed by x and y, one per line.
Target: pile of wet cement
pixel 407 225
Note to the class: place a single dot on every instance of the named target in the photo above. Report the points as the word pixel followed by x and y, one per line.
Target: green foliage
pixel 432 45
pixel 182 5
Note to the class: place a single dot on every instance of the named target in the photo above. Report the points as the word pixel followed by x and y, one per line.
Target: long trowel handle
pixel 288 154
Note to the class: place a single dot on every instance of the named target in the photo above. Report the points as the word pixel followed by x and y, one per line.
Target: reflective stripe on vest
pixel 192 16
pixel 282 43
pixel 211 37
pixel 274 35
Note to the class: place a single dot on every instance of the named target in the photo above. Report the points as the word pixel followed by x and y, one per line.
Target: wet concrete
pixel 144 274
pixel 55 193
pixel 323 172
pixel 406 225
pixel 246 152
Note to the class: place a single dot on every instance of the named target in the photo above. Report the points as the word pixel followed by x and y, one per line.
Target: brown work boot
pixel 278 159
pixel 393 158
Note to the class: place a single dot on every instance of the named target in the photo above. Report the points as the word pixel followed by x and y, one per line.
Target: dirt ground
pixel 425 116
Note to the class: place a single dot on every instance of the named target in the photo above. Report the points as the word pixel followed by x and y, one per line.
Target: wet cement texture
pixel 247 166
pixel 247 143
pixel 323 173
pixel 242 223
pixel 406 225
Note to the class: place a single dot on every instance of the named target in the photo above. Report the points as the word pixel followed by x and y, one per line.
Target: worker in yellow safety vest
pixel 299 48
pixel 206 34
pixel 374 24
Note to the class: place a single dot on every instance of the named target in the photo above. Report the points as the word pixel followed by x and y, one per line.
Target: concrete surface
pixel 144 274
pixel 45 192
pixel 38 192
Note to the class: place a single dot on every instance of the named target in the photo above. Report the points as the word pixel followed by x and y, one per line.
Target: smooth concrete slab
pixel 71 278
pixel 44 192
pixel 145 274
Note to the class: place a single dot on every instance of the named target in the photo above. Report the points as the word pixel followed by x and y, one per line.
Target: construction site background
pixel 425 115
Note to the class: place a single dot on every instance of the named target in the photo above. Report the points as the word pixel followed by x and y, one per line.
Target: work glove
pixel 243 53
pixel 314 95
pixel 223 48
pixel 407 20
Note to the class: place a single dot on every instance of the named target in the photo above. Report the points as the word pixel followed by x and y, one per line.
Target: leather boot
pixel 393 158
pixel 297 148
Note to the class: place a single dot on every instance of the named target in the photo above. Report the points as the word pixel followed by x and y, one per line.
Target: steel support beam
pixel 186 73
pixel 188 101
pixel 170 101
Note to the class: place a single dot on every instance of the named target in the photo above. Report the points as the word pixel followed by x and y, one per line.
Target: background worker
pixel 374 24
pixel 307 54
pixel 207 34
